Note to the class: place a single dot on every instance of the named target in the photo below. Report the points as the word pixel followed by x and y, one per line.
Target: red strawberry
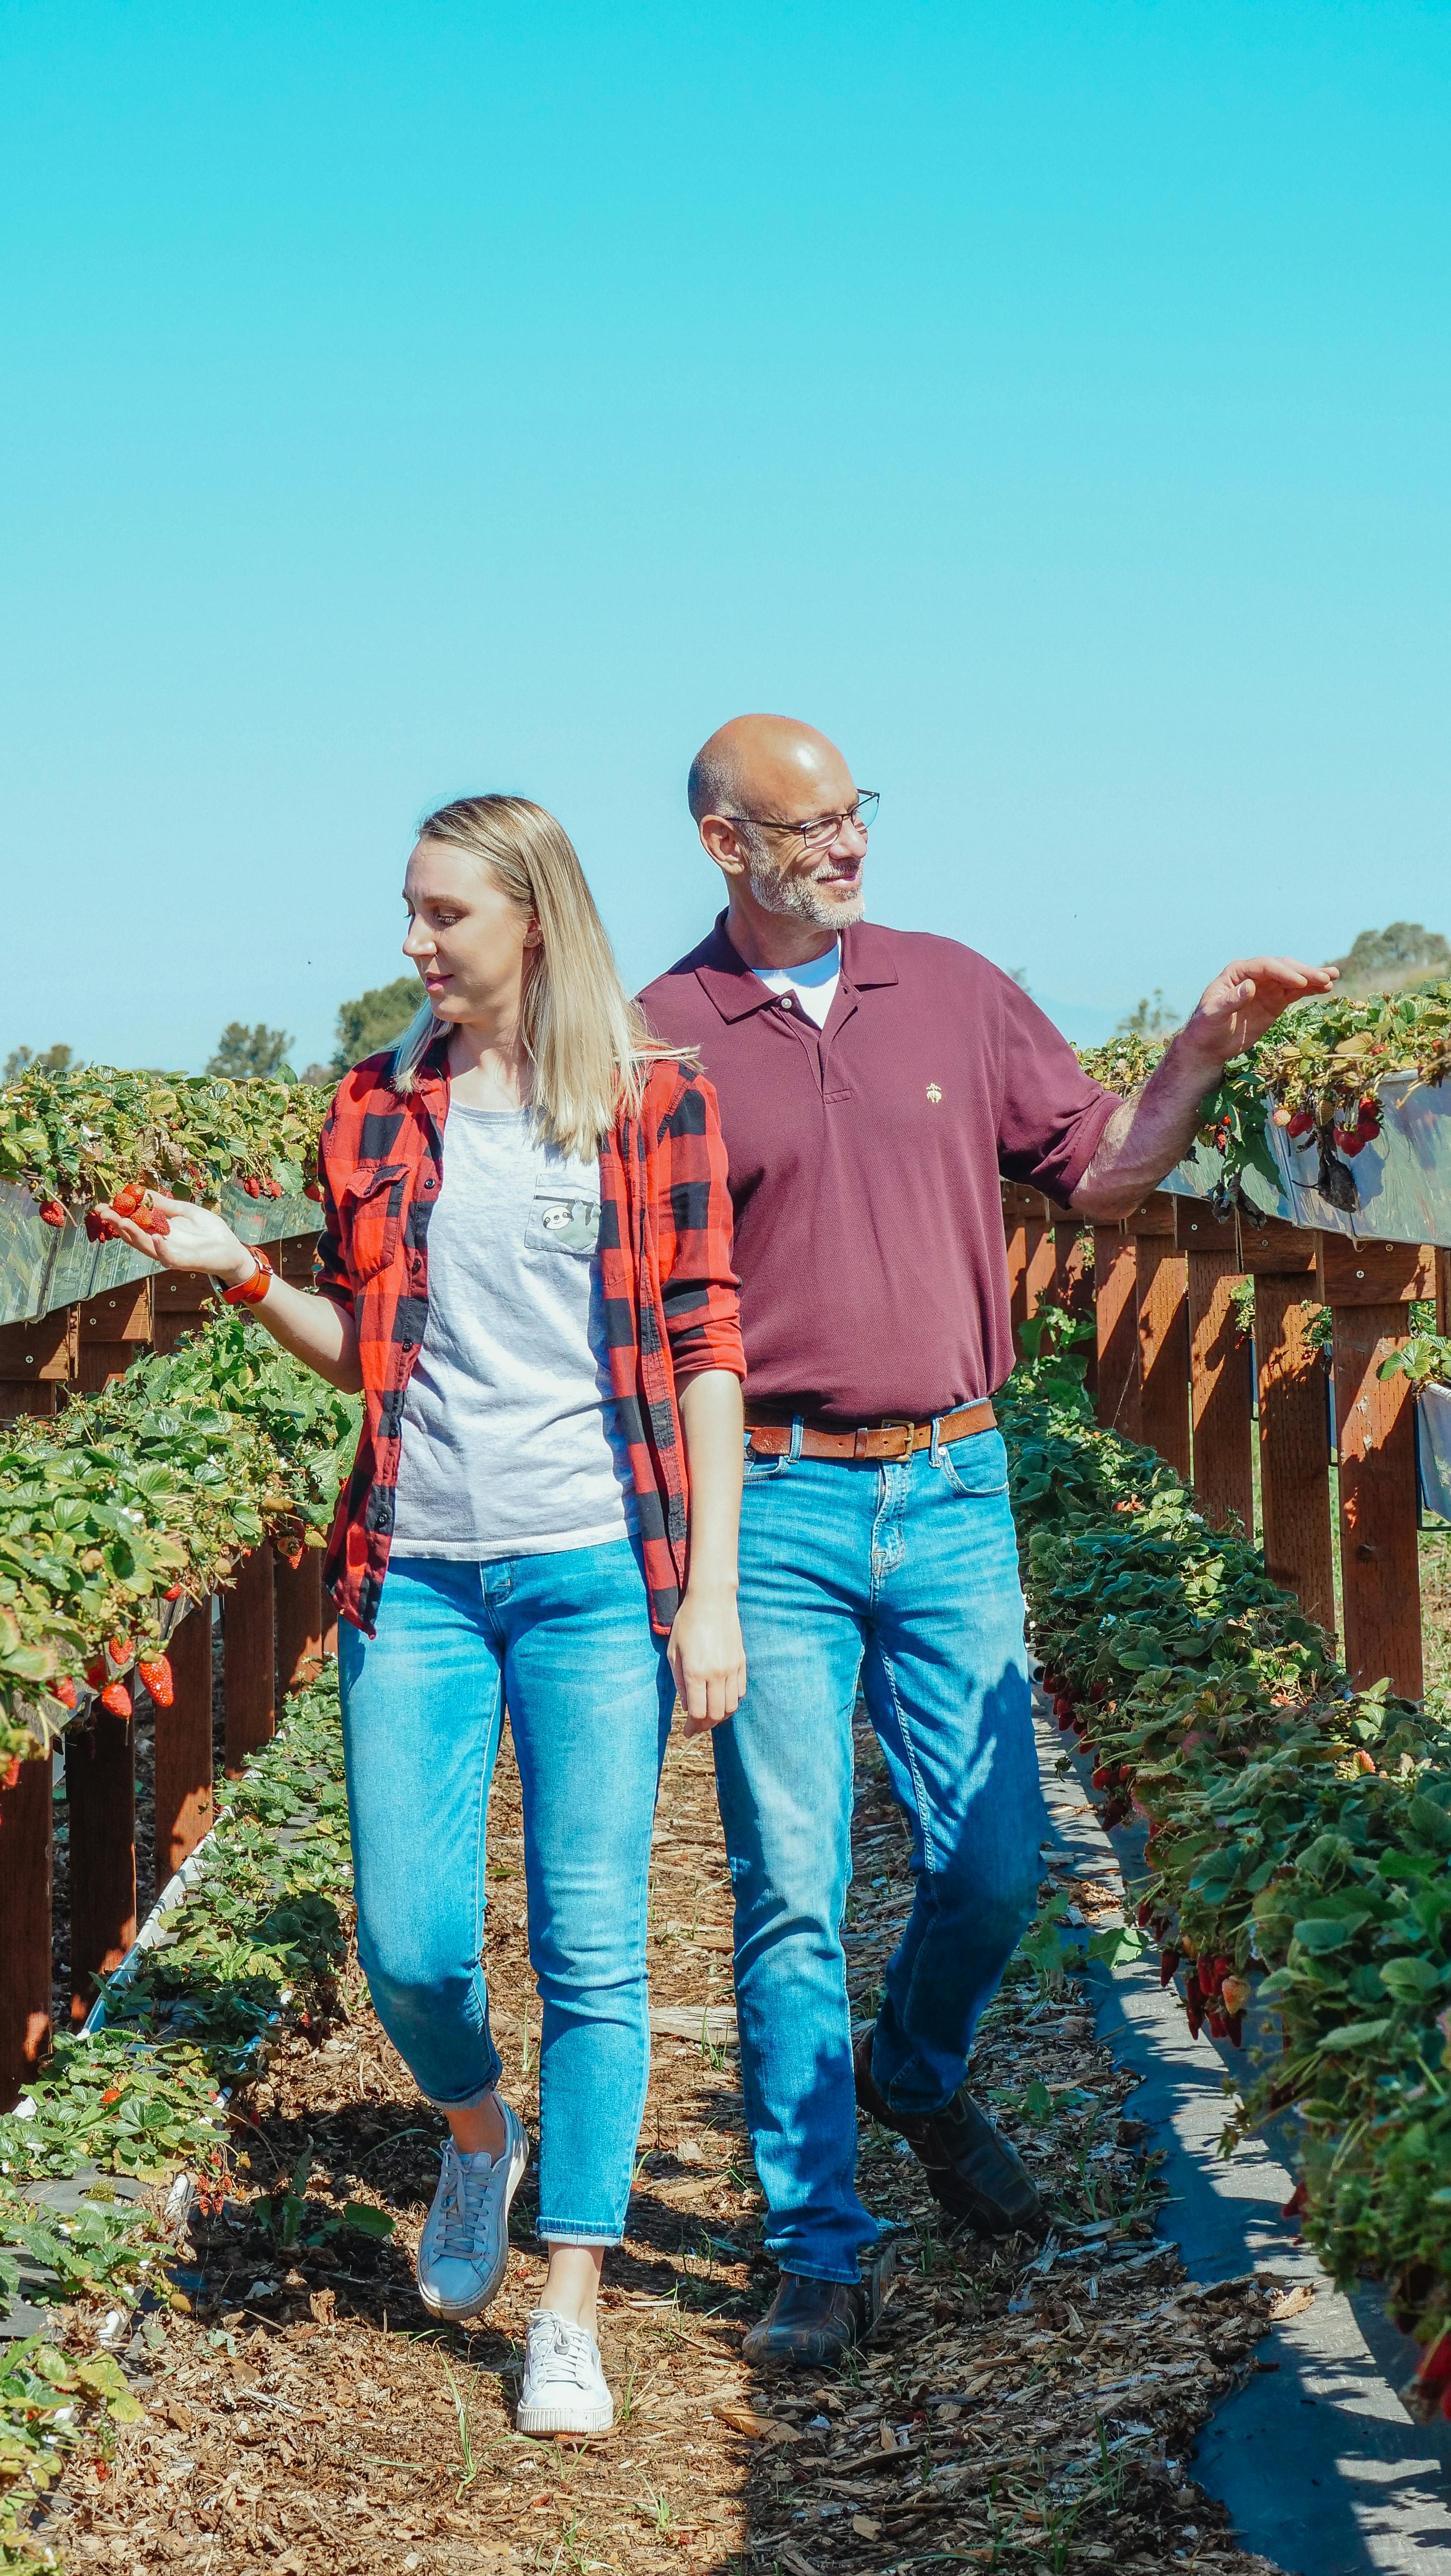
pixel 173 1592
pixel 314 1191
pixel 272 1189
pixel 117 1699
pixel 99 1229
pixel 112 2093
pixel 127 1201
pixel 64 1690
pixel 252 1188
pixel 1295 2205
pixel 51 1212
pixel 1063 1705
pixel 121 1653
pixel 156 1678
pixel 96 1672
pixel 12 1774
pixel 1169 1966
pixel 1434 2365
pixel 1302 1123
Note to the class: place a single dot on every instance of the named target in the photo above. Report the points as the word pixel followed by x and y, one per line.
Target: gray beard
pixel 799 898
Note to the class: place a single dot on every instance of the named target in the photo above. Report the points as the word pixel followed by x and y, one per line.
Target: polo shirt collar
pixel 737 990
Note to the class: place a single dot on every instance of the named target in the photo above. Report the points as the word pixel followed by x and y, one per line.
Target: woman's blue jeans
pixel 903 1578
pixel 566 1640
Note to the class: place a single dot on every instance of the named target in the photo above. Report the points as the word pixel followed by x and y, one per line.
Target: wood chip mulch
pixel 1019 2407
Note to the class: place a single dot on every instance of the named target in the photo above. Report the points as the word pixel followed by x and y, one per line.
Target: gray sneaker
pixel 463 2252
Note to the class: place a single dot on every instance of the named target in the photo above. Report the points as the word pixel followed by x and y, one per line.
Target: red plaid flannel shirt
pixel 670 1301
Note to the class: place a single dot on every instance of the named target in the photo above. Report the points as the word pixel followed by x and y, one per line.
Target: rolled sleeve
pixel 700 1293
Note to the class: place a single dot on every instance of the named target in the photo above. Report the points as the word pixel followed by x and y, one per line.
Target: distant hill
pixel 1385 961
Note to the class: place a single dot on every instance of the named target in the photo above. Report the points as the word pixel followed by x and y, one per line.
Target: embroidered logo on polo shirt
pixel 934 1093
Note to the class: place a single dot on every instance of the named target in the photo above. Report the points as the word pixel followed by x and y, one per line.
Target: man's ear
pixel 719 840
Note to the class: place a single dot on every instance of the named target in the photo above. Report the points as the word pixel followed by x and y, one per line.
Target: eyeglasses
pixel 823 829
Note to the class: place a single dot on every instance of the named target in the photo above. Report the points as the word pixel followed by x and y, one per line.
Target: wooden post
pixel 1114 1295
pixel 1162 1296
pixel 181 1301
pixel 110 1331
pixel 299 1620
pixel 1367 1287
pixel 1443 1290
pixel 100 1779
pixel 1294 1417
pixel 1221 1386
pixel 295 1258
pixel 37 1358
pixel 185 1805
pixel 1042 1261
pixel 25 1927
pixel 1072 1287
pixel 249 1643
pixel 1016 1234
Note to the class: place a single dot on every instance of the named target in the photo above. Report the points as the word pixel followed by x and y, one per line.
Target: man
pixel 873 1085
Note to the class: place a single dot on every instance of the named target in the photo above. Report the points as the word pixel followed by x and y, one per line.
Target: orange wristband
pixel 250 1292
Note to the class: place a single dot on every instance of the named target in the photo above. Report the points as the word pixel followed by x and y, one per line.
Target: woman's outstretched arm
pixel 706 1653
pixel 316 1330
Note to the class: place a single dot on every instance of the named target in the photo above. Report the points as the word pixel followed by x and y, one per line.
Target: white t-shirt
pixel 813 984
pixel 510 1440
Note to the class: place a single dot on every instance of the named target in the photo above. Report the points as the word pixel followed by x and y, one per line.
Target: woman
pixel 525 1268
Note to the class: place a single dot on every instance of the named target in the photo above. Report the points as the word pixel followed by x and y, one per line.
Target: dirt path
pixel 303 2418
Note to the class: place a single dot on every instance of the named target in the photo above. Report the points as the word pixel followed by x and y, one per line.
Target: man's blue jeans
pixel 567 1638
pixel 905 1577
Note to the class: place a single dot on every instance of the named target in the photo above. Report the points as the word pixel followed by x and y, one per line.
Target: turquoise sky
pixel 1051 402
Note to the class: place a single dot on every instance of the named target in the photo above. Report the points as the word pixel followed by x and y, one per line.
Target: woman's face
pixel 468 940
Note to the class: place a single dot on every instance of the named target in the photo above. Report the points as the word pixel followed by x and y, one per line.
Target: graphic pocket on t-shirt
pixel 560 1223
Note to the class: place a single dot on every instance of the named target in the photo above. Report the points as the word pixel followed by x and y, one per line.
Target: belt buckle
pixel 894 1457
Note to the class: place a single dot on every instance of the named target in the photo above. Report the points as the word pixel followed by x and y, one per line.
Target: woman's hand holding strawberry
pixel 178 1234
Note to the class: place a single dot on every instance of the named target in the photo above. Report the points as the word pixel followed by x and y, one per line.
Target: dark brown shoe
pixel 974 2175
pixel 816 2323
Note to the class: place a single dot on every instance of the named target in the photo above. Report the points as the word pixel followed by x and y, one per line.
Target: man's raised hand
pixel 1244 1000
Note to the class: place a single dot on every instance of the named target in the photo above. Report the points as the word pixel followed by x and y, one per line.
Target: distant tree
pixel 23 1059
pixel 243 1052
pixel 321 1076
pixel 375 1019
pixel 1019 975
pixel 1148 1019
pixel 1382 961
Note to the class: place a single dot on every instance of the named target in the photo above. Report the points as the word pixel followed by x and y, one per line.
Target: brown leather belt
pixel 872 1440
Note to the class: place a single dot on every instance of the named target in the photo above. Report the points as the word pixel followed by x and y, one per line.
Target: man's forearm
pixel 1149 1134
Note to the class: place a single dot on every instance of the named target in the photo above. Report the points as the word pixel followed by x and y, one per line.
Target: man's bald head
pixel 772 766
pixel 777 812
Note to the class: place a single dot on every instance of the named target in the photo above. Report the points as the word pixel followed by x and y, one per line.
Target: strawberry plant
pixel 1316 1073
pixel 259 1937
pixel 157 1486
pixel 73 1139
pixel 1295 1826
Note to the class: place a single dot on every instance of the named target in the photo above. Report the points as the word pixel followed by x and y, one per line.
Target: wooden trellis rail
pixel 273 1626
pixel 1174 1372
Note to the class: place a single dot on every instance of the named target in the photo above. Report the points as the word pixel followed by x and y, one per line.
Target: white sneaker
pixel 463 2252
pixel 564 2386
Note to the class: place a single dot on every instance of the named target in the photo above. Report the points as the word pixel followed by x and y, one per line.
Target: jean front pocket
pixel 977 1466
pixel 759 1470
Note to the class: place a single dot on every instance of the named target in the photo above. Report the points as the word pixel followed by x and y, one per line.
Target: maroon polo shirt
pixel 864 1164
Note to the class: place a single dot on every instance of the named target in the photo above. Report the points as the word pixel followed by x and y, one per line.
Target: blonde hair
pixel 585 1039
